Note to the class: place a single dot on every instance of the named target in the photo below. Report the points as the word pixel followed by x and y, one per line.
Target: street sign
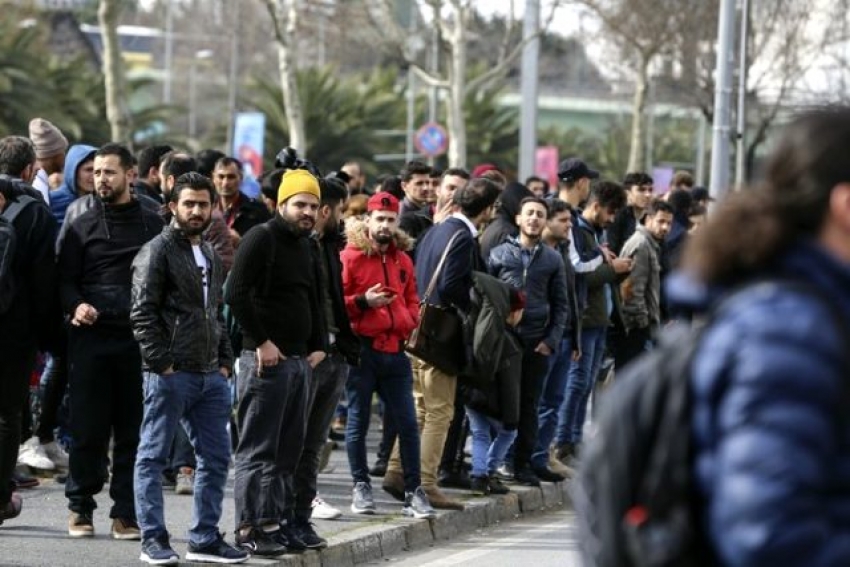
pixel 431 139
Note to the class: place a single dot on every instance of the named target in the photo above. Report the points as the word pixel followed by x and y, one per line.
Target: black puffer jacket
pixel 170 320
pixel 546 308
pixel 504 225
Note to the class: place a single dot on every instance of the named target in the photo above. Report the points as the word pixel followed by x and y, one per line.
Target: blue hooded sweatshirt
pixel 67 192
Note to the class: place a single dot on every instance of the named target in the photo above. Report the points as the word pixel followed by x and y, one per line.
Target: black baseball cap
pixel 574 168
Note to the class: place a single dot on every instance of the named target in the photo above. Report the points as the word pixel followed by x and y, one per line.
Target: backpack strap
pixel 433 283
pixel 16 207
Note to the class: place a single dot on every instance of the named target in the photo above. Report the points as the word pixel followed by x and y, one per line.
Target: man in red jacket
pixel 380 297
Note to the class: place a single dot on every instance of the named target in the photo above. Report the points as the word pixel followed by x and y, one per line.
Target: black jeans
pixel 326 387
pixel 105 380
pixel 15 367
pixel 534 367
pixel 271 417
pixel 456 438
pixel 55 382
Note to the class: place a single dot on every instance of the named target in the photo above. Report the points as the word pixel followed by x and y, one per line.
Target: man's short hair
pixel 557 206
pixel 195 181
pixel 636 178
pixel 176 164
pixel 16 154
pixel 206 159
pixel 474 197
pixel 227 161
pixel 151 157
pixel 125 156
pixel 270 183
pixel 682 178
pixel 539 200
pixel 414 167
pixel 333 190
pixel 392 185
pixel 659 206
pixel 609 194
pixel 436 173
pixel 456 172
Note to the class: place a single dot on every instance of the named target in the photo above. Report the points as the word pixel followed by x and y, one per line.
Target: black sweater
pixel 276 298
pixel 96 256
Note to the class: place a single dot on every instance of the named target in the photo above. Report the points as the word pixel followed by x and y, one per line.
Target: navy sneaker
pixel 219 551
pixel 157 551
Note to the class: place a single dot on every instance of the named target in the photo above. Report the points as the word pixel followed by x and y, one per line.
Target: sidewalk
pixel 39 536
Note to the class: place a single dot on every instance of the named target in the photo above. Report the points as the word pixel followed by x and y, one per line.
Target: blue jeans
pixel 554 392
pixel 579 385
pixel 392 377
pixel 488 455
pixel 202 402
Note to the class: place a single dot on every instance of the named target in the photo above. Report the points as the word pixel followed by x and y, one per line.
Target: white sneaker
pixel 324 511
pixel 32 454
pixel 56 453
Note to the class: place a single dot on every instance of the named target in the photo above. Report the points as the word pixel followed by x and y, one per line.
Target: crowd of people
pixel 190 320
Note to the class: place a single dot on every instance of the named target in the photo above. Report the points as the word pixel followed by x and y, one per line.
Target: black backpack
pixel 634 500
pixel 8 249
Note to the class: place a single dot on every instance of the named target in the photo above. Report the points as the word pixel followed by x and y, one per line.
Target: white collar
pixel 467 222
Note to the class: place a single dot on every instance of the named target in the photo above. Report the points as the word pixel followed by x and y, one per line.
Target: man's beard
pixel 382 238
pixel 192 230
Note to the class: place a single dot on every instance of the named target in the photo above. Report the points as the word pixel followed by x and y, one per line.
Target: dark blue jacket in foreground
pixel 771 420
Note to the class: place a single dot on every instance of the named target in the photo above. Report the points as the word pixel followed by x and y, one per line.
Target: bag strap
pixel 14 208
pixel 433 283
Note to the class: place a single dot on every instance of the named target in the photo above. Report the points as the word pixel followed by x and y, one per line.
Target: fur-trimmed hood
pixel 357 236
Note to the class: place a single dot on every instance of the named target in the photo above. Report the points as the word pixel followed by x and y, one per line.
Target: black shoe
pixel 258 542
pixel 379 469
pixel 288 537
pixel 219 551
pixel 22 480
pixel 480 486
pixel 305 531
pixel 169 480
pixel 157 551
pixel 526 477
pixel 505 473
pixel 455 479
pixel 547 475
pixel 496 486
pixel 336 435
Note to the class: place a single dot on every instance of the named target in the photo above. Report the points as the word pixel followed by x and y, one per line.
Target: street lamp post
pixel 719 182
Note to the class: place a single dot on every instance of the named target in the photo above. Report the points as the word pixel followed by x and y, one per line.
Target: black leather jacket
pixel 544 284
pixel 169 318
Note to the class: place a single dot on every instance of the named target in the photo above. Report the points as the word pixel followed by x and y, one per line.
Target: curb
pixel 398 534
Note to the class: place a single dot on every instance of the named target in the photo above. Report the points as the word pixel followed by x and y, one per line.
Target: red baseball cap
pixel 382 202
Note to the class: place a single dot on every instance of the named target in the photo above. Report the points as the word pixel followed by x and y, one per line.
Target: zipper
pixel 530 261
pixel 174 333
pixel 387 282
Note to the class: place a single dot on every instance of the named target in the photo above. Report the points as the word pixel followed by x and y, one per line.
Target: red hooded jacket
pixel 362 268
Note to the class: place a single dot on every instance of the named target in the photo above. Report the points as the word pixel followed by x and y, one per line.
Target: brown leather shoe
pixel 394 485
pixel 440 501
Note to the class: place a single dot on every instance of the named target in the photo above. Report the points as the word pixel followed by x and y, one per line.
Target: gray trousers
pixel 271 418
pixel 325 390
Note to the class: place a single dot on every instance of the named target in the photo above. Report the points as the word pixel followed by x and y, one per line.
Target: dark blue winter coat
pixel 771 419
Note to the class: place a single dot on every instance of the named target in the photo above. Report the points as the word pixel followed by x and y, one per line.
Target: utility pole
pixel 169 52
pixel 233 78
pixel 528 89
pixel 719 182
pixel 741 141
pixel 434 66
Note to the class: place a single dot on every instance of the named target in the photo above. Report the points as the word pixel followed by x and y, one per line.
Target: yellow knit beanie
pixel 297 181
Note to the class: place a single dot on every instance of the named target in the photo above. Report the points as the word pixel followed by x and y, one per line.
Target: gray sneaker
pixel 185 481
pixel 417 505
pixel 362 501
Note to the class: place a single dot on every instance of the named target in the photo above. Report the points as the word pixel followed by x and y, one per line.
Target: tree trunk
pixel 113 71
pixel 288 78
pixel 456 121
pixel 637 148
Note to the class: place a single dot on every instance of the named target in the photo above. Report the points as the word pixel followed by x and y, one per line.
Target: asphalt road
pixel 542 541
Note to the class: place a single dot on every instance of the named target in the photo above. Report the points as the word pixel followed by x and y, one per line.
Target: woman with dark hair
pixel 770 377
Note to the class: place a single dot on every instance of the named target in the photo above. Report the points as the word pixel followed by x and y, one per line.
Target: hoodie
pixel 68 192
pixel 504 225
pixel 389 326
